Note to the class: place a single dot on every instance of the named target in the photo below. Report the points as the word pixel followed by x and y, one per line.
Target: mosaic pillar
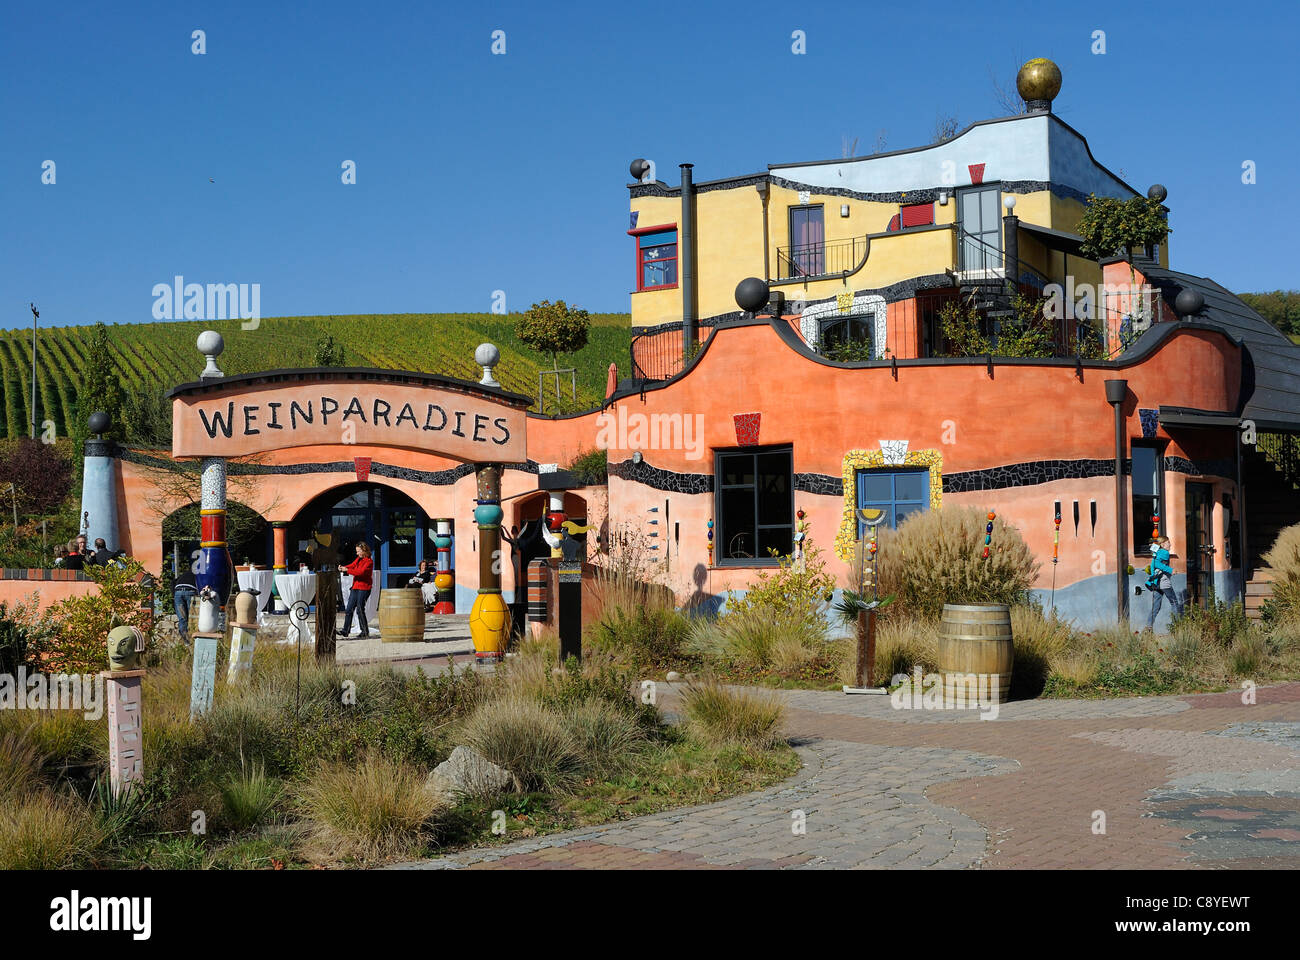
pixel 444 581
pixel 125 739
pixel 214 558
pixel 280 560
pixel 489 618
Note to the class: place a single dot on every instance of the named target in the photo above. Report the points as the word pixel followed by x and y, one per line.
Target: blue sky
pixel 478 172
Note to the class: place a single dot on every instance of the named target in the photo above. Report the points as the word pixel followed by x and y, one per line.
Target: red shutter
pixel 918 214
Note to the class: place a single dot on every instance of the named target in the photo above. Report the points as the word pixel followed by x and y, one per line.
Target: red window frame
pixel 640 266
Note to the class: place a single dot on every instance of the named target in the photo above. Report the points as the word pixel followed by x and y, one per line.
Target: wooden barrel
pixel 401 615
pixel 975 640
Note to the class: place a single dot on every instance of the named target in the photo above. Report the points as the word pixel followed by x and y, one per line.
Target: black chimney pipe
pixel 686 250
pixel 1116 393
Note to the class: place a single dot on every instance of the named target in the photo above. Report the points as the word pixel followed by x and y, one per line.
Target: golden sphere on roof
pixel 1039 79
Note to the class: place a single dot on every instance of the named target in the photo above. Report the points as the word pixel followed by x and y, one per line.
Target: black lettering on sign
pixel 460 415
pixel 224 424
pixel 376 414
pixel 500 423
pixel 429 419
pixel 408 414
pixel 480 421
pixel 250 418
pixel 354 407
pixel 275 423
pixel 296 411
pixel 324 413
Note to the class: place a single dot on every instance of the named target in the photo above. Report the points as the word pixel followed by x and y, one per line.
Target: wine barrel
pixel 401 616
pixel 975 639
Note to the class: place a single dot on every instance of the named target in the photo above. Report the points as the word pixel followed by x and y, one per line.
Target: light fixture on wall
pixel 943 198
pixel 844 209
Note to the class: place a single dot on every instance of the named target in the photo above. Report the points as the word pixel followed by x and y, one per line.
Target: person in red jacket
pixel 361 569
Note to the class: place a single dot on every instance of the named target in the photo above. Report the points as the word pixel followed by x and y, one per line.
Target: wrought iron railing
pixel 825 259
pixel 1283 451
pixel 657 352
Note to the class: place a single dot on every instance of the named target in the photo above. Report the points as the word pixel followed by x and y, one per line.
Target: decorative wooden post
pixel 125 740
pixel 569 616
pixel 489 618
pixel 204 675
pixel 325 558
pixel 243 636
pixel 280 563
pixel 444 580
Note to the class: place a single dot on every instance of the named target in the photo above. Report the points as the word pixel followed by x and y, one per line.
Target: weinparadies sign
pixel 254 413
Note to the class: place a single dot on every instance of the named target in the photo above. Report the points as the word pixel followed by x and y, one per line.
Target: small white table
pixel 295 587
pixel 372 602
pixel 259 580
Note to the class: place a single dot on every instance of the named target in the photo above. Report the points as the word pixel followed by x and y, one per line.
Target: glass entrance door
pixel 1200 544
pixel 389 521
pixel 981 229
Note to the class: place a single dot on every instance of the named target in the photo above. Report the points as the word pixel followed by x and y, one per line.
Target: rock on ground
pixel 467 773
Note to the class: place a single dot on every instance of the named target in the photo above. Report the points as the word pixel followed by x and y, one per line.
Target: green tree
pixel 100 389
pixel 1280 308
pixel 554 328
pixel 1113 227
pixel 330 353
pixel 147 417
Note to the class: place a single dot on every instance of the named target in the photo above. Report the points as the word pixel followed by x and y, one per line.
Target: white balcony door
pixel 981 241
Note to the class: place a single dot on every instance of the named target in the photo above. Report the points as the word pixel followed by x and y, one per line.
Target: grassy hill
pixel 163 354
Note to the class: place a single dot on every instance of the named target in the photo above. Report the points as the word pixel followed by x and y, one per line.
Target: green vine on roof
pixel 1113 227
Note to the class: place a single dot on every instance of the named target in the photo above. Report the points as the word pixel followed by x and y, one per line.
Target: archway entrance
pixel 394 525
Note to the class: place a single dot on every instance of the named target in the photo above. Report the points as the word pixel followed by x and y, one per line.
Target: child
pixel 1160 583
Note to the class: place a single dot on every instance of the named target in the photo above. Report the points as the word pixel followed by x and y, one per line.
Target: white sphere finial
pixel 211 345
pixel 1009 201
pixel 487 356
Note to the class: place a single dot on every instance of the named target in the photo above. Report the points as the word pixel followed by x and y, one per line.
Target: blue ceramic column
pixel 99 482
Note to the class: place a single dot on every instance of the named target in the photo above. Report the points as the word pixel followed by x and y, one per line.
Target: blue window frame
pixel 899 492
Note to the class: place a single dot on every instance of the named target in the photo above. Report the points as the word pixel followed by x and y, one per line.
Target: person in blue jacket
pixel 1160 583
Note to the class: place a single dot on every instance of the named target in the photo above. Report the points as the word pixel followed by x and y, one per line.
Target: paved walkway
pixel 1157 782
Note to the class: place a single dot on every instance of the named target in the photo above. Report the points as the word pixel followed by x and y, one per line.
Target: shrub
pixel 45 832
pixel 369 810
pixel 759 637
pixel 591 466
pixel 20 766
pixel 527 738
pixel 83 622
pixel 901 644
pixel 24 638
pixel 1249 654
pixel 642 636
pixel 718 716
pixel 62 736
pixel 802 588
pixel 936 557
pixel 607 738
pixel 1218 622
pixel 1039 642
pixel 1283 558
pixel 249 797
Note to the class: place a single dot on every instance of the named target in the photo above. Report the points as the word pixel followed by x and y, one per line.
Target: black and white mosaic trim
pixel 658 479
pixel 434 478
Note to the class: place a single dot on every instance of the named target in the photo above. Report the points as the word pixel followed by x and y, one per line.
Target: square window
pixel 900 493
pixel 754 506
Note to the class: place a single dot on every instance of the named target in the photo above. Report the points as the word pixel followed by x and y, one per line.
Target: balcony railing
pixel 826 259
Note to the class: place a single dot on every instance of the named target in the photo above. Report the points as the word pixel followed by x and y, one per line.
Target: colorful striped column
pixel 489 618
pixel 280 561
pixel 539 578
pixel 444 581
pixel 214 558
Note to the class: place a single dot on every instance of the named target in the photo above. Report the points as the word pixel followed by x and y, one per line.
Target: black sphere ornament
pixel 98 422
pixel 1157 192
pixel 751 294
pixel 639 168
pixel 1189 303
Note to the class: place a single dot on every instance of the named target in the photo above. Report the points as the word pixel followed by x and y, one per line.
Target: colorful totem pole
pixel 489 617
pixel 988 533
pixel 444 580
pixel 710 544
pixel 214 565
pixel 553 522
